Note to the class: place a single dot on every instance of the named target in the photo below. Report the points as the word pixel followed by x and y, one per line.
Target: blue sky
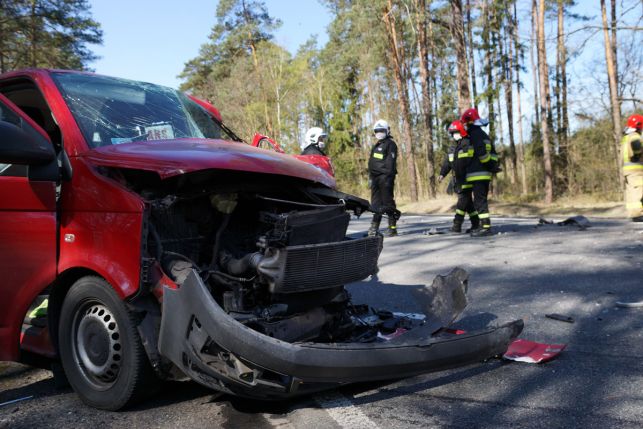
pixel 151 40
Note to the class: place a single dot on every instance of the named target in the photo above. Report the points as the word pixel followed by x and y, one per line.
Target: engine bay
pixel 275 265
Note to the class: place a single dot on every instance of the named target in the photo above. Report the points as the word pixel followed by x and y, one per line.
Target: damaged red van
pixel 141 241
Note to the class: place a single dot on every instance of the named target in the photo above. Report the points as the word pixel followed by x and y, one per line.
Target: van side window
pixel 7 115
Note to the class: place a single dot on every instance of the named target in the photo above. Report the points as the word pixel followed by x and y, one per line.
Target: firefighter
pixel 482 165
pixel 458 159
pixel 633 167
pixel 314 142
pixel 382 168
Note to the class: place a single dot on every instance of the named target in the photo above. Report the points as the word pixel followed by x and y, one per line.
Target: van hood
pixel 174 157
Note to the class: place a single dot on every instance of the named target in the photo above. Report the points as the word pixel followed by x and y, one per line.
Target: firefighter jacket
pixel 632 153
pixel 484 161
pixel 458 159
pixel 383 159
pixel 313 149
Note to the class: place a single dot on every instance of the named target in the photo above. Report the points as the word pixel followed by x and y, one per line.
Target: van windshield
pixel 113 111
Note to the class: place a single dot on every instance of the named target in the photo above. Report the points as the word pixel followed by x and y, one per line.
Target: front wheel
pixel 100 349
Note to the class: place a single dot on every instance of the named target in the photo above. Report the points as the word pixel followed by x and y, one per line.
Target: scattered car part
pixel 521 350
pixel 560 317
pixel 637 304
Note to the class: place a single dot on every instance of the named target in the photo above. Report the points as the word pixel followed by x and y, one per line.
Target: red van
pixel 141 241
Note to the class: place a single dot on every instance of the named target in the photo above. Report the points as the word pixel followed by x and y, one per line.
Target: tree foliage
pixel 47 33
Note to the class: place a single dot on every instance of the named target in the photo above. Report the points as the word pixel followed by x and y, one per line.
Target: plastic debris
pixel 389 337
pixel 638 304
pixel 532 352
pixel 434 231
pixel 580 221
pixel 560 317
pixel 16 400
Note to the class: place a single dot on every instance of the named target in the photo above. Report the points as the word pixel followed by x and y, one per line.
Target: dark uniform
pixel 483 164
pixel 458 159
pixel 313 149
pixel 382 168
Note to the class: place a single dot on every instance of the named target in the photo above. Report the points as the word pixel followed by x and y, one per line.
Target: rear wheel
pixel 100 348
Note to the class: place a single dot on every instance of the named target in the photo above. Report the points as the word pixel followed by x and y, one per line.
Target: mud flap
pixel 219 352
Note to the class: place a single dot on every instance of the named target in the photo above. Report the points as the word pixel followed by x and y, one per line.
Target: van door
pixel 27 231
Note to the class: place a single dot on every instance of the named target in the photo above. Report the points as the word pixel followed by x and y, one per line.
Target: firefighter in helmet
pixel 632 150
pixel 483 164
pixel 382 169
pixel 457 160
pixel 314 142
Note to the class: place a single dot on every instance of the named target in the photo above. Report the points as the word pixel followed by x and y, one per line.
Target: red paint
pixel 207 106
pixel 323 162
pixel 532 352
pixel 97 223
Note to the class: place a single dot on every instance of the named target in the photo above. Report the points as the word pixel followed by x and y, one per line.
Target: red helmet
pixel 457 127
pixel 470 115
pixel 635 121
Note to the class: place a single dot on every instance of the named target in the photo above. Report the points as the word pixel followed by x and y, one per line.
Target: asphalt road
pixel 520 272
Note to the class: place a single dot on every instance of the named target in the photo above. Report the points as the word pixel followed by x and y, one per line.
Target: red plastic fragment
pixel 532 352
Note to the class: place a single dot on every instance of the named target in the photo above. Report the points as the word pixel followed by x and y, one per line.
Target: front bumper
pixel 212 348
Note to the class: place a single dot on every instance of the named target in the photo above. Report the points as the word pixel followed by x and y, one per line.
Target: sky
pixel 151 40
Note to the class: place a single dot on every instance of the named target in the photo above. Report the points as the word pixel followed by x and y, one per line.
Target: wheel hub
pixel 98 343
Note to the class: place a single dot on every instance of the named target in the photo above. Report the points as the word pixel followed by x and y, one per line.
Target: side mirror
pixel 19 147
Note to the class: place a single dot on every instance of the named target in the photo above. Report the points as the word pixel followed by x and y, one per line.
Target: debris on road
pixel 560 317
pixel 434 231
pixel 580 221
pixel 532 352
pixel 13 401
pixel 637 304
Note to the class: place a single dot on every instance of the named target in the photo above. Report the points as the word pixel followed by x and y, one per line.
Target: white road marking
pixel 343 411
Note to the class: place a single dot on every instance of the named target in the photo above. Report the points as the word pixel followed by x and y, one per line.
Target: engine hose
pixel 217 240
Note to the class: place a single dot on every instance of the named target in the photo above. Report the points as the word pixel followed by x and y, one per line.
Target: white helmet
pixel 313 136
pixel 381 129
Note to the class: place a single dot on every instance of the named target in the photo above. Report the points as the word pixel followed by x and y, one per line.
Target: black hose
pixel 217 240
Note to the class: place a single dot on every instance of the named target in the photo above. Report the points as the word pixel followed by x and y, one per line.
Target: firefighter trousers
pixel 464 206
pixel 634 194
pixel 480 203
pixel 382 200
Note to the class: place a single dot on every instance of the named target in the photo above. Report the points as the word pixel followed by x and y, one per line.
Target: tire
pixel 100 348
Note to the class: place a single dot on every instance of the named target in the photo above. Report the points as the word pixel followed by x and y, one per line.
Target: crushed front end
pixel 251 278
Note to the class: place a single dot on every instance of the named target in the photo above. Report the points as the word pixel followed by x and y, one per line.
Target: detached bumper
pixel 219 352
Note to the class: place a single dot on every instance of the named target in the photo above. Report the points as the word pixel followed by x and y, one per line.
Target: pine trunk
pixel 517 56
pixel 507 78
pixel 612 79
pixel 544 104
pixel 462 72
pixel 427 108
pixel 397 63
pixel 472 59
pixel 534 65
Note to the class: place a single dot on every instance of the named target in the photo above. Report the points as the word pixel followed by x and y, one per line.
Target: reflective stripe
pixel 487 146
pixel 483 215
pixel 451 157
pixel 459 212
pixel 633 166
pixel 485 158
pixel 494 157
pixel 486 226
pixel 478 175
pixel 378 155
pixel 467 186
pixel 472 214
pixel 465 154
pixel 392 227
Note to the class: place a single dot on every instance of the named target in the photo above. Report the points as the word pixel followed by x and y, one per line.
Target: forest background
pixel 416 63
